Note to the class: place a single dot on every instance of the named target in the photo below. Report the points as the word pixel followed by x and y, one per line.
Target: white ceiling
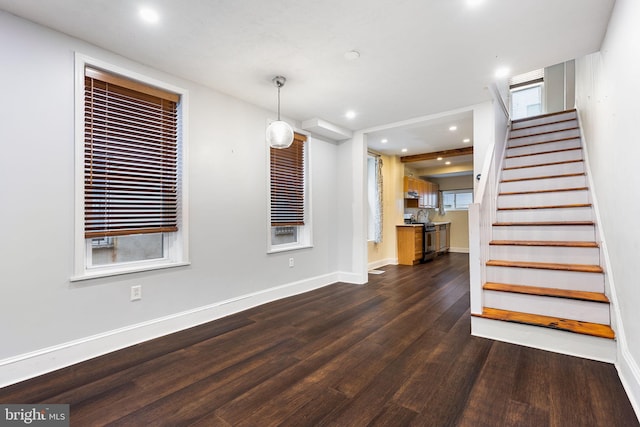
pixel 418 57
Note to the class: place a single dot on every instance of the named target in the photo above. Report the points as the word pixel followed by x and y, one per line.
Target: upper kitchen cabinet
pixel 420 193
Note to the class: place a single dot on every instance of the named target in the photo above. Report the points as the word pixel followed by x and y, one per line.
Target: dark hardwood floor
pixel 395 352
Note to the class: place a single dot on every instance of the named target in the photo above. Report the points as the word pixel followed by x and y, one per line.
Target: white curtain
pixel 441 210
pixel 377 238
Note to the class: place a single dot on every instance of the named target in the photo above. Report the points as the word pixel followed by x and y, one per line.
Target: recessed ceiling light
pixel 466 140
pixel 502 72
pixel 404 150
pixel 452 128
pixel 384 140
pixel 474 3
pixel 447 163
pixel 439 158
pixel 351 55
pixel 149 15
pixel 350 114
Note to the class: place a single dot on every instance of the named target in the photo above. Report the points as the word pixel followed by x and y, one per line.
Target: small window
pixel 131 151
pixel 288 204
pixel 527 94
pixel 457 199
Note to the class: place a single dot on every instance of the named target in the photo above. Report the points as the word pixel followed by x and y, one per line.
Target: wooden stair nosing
pixel 543 142
pixel 575 326
pixel 545 124
pixel 554 190
pixel 542 116
pixel 550 243
pixel 581 268
pixel 567 175
pixel 547 292
pixel 563 150
pixel 542 223
pixel 571 206
pixel 543 164
pixel 541 133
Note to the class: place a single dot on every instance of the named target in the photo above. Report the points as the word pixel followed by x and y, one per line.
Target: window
pixel 289 223
pixel 457 199
pixel 130 157
pixel 526 94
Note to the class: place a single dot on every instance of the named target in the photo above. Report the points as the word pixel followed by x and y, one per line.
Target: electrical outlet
pixel 136 292
pixel 291 263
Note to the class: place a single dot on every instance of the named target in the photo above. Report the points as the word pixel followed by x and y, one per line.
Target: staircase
pixel 544 266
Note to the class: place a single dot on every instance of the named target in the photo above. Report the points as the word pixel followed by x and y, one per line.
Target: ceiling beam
pixel 430 156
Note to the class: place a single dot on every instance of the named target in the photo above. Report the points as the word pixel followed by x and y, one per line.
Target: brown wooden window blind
pixel 130 157
pixel 287 183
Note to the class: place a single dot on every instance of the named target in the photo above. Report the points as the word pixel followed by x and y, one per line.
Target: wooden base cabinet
pixel 410 244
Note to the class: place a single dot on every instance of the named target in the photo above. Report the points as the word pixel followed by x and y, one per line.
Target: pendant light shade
pixel 279 133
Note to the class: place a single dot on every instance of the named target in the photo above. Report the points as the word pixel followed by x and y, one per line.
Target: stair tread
pixel 542 116
pixel 586 268
pixel 575 205
pixel 555 243
pixel 566 175
pixel 576 326
pixel 531 144
pixel 563 150
pixel 555 190
pixel 544 223
pixel 541 133
pixel 544 124
pixel 542 164
pixel 547 292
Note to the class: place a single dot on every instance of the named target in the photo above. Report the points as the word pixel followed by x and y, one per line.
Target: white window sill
pixel 285 248
pixel 108 272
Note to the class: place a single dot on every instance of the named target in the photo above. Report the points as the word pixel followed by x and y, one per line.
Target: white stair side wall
pixel 541 148
pixel 555 198
pixel 539 159
pixel 551 254
pixel 540 171
pixel 573 280
pixel 553 136
pixel 544 184
pixel 545 215
pixel 543 128
pixel 580 233
pixel 544 120
pixel 585 311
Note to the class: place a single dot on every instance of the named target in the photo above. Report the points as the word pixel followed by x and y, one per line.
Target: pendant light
pixel 279 133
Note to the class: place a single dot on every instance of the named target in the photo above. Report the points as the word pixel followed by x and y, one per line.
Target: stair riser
pixel 543 199
pixel 540 171
pixel 548 254
pixel 579 233
pixel 574 133
pixel 540 148
pixel 538 159
pixel 544 120
pixel 571 280
pixel 544 184
pixel 585 311
pixel 550 127
pixel 543 215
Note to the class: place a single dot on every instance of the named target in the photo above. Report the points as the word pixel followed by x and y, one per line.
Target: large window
pixel 527 94
pixel 457 199
pixel 131 163
pixel 288 207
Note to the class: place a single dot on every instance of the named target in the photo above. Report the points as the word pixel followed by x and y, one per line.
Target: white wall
pixel 607 93
pixel 41 308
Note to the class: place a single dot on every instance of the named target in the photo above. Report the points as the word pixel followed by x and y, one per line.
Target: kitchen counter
pixel 442 223
pixel 410 225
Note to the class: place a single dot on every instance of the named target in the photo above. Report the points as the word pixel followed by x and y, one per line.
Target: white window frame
pixel 463 190
pixel 175 245
pixel 304 232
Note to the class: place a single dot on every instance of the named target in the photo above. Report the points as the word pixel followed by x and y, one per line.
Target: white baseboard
pixel 381 262
pixel 32 364
pixel 588 347
pixel 354 278
pixel 629 374
pixel 459 250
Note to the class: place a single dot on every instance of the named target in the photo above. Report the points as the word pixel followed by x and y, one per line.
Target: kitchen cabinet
pixel 427 193
pixel 443 237
pixel 410 244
